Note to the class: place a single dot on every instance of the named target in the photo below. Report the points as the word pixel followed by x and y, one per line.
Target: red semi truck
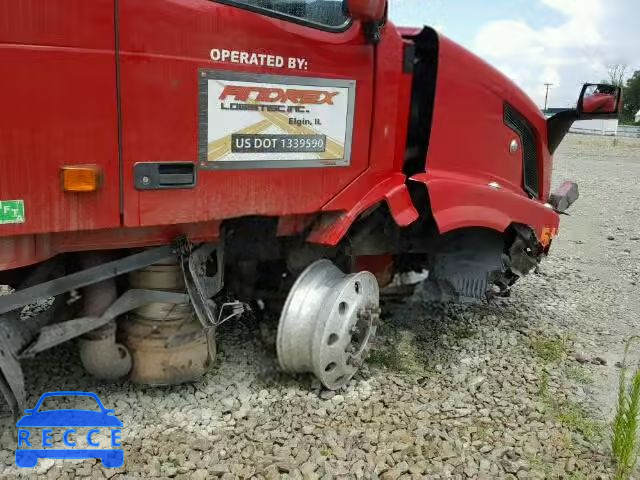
pixel 175 163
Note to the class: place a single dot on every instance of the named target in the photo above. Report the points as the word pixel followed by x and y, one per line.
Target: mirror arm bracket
pixel 558 126
pixel 373 32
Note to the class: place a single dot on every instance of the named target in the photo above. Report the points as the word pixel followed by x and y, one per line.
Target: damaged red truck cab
pixel 286 143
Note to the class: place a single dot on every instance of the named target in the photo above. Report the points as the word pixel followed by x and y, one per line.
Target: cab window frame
pixel 289 18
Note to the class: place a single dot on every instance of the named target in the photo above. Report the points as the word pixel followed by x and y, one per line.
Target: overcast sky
pixel 564 42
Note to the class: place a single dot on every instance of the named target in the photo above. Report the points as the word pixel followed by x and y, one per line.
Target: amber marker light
pixel 81 178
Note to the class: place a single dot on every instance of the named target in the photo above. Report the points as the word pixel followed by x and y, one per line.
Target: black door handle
pixel 160 175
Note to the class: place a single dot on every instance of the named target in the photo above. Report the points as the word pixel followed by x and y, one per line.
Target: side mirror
pixel 367 11
pixel 28 411
pixel 599 100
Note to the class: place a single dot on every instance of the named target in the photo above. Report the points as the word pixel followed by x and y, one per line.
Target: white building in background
pixel 599 127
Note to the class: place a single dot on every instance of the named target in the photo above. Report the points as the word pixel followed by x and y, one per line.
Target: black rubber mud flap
pixel 464 266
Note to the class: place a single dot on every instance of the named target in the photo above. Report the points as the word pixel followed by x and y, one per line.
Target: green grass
pixel 550 350
pixel 482 433
pixel 577 419
pixel 326 452
pixel 570 414
pixel 402 356
pixel 624 439
pixel 579 375
pixel 381 358
pixel 543 391
pixel 462 332
pixel 536 462
pixel 576 476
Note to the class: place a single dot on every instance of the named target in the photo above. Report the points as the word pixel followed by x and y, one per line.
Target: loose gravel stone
pixel 507 389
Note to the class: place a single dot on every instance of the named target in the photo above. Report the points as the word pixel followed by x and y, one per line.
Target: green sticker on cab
pixel 11 211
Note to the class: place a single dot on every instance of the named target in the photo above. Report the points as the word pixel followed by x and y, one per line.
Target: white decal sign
pixel 267 121
pixel 258 59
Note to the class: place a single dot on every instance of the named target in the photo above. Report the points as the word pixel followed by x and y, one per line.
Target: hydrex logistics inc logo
pixel 33 445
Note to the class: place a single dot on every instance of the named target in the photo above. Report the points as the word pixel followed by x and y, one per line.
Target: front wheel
pixel 327 323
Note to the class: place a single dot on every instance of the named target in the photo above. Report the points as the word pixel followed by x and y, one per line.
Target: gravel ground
pixel 521 388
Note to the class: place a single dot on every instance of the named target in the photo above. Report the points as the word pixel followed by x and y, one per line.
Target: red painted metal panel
pixel 468 134
pixel 21 250
pixel 403 106
pixel 383 180
pixel 392 190
pixel 368 10
pixel 460 201
pixel 60 23
pixel 469 148
pixel 163 44
pixel 58 97
pixel 59 87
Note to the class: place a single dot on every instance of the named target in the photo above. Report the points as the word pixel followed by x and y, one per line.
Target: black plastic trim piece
pixel 409 57
pixel 161 175
pixel 558 126
pixel 530 158
pixel 423 93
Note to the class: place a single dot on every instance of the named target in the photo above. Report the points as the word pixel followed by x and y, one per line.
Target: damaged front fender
pixel 391 189
pixel 459 201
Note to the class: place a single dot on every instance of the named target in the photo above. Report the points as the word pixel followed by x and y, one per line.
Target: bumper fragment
pixel 564 196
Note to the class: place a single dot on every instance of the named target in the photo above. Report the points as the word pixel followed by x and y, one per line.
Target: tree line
pixel 630 91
